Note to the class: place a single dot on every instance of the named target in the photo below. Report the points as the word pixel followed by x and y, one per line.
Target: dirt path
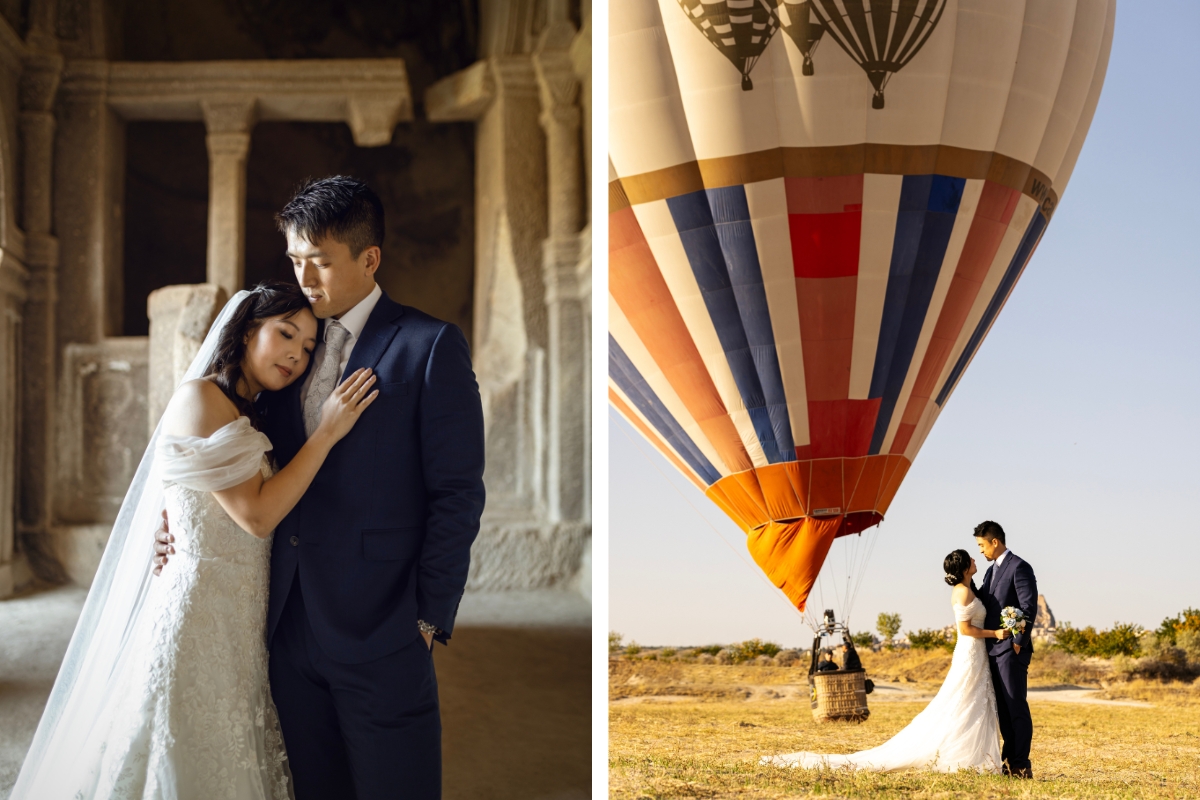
pixel 892 693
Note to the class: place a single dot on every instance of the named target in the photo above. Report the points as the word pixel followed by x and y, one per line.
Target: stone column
pixel 558 88
pixel 34 437
pixel 13 279
pixel 229 122
pixel 88 179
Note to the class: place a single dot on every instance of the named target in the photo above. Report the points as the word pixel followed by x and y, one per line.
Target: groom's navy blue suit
pixel 381 539
pixel 1011 584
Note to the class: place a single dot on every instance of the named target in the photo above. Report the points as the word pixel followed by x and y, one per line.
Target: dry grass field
pixel 692 730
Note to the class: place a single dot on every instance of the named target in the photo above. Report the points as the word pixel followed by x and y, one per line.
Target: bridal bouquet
pixel 1012 619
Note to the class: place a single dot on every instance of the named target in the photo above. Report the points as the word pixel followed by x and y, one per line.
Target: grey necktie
pixel 326 375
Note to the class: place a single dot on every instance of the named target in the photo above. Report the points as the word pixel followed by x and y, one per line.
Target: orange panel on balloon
pixel 791 553
pixel 781 499
pixel 749 510
pixel 800 475
pixel 893 483
pixel 717 494
pixel 863 496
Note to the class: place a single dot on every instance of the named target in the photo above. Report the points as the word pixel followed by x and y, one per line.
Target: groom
pixel 368 569
pixel 1009 582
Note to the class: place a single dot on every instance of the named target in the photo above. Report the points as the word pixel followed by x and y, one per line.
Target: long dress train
pixel 959 728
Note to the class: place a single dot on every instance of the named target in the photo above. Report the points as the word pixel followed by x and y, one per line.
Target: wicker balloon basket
pixel 840 696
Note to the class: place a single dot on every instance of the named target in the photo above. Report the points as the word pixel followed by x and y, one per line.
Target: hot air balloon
pixel 739 29
pixel 797 281
pixel 880 36
pixel 797 19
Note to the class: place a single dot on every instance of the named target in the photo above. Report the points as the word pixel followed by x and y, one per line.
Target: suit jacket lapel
pixel 377 334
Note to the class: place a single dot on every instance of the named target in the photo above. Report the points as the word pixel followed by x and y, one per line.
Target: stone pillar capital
pixel 558 84
pixel 85 81
pixel 40 77
pixel 560 119
pixel 373 117
pixel 229 114
pixel 514 76
pixel 236 145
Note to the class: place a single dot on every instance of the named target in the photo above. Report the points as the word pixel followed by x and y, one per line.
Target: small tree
pixel 614 641
pixel 888 626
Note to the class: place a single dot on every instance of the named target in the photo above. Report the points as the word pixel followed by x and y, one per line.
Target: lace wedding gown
pixel 190 714
pixel 959 728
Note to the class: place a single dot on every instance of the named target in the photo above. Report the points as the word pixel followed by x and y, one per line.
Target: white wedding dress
pixel 190 713
pixel 959 729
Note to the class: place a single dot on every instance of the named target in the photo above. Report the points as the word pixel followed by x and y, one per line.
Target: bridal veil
pixel 115 603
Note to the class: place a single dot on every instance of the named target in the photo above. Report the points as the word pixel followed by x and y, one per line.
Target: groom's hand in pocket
pixel 162 544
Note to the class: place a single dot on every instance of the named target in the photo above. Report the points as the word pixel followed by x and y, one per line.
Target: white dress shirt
pixel 999 559
pixel 353 321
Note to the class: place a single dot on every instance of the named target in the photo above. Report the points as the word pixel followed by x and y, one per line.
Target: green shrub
pixel 863 639
pixel 1122 639
pixel 666 653
pixel 1186 620
pixel 1189 642
pixel 928 639
pixel 614 641
pixel 751 649
pixel 632 649
pixel 709 649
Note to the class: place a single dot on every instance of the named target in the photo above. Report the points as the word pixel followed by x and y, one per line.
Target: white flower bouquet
pixel 1012 619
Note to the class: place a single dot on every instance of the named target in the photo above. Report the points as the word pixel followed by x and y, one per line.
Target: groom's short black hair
pixel 341 207
pixel 990 530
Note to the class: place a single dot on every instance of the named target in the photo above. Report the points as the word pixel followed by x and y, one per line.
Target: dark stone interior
pixel 425 176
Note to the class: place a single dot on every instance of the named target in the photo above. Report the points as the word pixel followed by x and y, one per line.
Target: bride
pixel 959 728
pixel 163 690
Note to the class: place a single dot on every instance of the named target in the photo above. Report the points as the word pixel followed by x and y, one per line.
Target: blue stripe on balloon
pixel 928 207
pixel 627 376
pixel 717 236
pixel 1029 241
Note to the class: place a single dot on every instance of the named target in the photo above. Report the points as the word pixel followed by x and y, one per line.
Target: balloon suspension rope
pixel 775 592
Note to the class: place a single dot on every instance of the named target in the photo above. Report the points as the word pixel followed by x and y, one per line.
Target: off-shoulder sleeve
pixel 962 613
pixel 229 457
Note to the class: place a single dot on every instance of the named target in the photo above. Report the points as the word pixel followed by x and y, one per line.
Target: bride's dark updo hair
pixel 955 565
pixel 268 299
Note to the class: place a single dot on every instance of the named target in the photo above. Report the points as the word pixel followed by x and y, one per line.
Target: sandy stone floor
pixel 515 687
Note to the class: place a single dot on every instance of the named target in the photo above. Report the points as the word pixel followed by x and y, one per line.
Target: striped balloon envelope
pixel 817 210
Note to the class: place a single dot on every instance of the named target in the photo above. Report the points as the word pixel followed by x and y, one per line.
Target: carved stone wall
pixel 88 398
pixel 104 414
pixel 527 97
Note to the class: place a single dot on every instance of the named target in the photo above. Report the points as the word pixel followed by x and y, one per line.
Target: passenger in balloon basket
pixel 827 663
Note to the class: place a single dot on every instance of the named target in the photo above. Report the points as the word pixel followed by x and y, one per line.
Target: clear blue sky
pixel 1075 427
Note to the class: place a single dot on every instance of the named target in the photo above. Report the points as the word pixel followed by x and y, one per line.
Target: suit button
pixel 295 541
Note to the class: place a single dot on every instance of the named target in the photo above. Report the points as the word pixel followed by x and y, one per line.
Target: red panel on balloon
pixel 825 220
pixel 841 427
